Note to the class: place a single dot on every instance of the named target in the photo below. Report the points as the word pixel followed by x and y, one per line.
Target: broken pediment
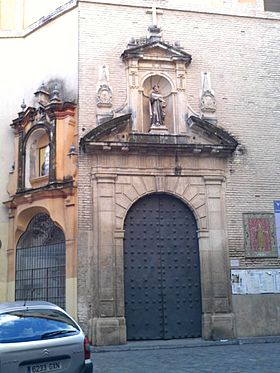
pixel 203 139
pixel 111 130
pixel 205 132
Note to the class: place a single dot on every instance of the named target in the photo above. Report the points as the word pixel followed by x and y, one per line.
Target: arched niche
pixel 37 156
pixel 165 88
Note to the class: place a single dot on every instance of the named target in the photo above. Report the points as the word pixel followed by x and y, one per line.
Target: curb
pixel 182 343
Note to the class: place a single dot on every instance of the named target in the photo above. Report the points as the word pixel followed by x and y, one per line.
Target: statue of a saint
pixel 157 104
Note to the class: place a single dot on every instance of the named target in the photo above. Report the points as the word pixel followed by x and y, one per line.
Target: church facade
pixel 170 212
pixel 157 181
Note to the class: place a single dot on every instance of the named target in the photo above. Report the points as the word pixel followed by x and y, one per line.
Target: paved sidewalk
pixel 256 355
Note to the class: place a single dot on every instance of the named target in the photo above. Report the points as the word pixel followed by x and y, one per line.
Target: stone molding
pixel 122 192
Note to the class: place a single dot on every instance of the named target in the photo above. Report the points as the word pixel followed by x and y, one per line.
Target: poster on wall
pixel 259 235
pixel 255 281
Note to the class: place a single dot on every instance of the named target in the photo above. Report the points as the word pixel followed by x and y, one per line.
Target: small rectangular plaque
pixel 234 263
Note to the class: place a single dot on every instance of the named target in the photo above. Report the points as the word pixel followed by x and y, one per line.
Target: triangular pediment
pixel 202 139
pixel 157 49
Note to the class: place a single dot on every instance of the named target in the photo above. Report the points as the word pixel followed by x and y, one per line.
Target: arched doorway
pixel 161 270
pixel 40 262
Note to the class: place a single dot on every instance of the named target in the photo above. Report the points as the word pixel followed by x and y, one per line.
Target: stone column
pixel 220 321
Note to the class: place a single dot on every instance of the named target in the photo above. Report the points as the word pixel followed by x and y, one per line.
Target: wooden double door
pixel 161 270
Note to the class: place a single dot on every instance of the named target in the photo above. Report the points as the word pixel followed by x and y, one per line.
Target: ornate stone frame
pixel 267 234
pixel 104 96
pixel 157 58
pixel 113 195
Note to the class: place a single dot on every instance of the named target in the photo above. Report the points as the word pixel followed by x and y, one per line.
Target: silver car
pixel 38 337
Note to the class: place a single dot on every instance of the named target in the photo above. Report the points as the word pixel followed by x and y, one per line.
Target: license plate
pixel 50 366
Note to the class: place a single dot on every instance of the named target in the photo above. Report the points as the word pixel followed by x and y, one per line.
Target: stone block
pixel 190 193
pixel 106 308
pixel 108 331
pixel 105 204
pixel 130 192
pixel 221 305
pixel 138 185
pixel 222 326
pixel 123 201
pixel 105 190
pixel 149 182
pixel 171 183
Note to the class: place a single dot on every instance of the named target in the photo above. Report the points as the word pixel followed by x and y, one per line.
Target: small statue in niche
pixel 157 104
pixel 104 93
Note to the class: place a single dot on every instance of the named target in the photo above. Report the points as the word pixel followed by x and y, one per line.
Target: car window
pixel 35 324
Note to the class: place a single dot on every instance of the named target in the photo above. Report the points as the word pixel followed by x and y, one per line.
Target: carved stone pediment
pixel 203 139
pixel 157 49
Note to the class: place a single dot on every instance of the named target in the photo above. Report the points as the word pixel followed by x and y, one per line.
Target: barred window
pixel 40 262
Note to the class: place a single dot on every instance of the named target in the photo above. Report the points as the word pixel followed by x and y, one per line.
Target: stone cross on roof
pixel 154 11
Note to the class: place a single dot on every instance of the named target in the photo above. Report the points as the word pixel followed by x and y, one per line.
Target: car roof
pixel 28 303
pixel 35 305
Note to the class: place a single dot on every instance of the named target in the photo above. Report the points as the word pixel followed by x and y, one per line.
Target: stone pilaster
pixel 109 325
pixel 221 322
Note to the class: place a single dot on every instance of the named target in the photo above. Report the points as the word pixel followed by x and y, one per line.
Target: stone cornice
pixel 53 190
pixel 159 147
pixel 100 140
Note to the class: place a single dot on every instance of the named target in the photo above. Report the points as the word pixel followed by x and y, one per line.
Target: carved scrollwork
pixel 104 96
pixel 208 102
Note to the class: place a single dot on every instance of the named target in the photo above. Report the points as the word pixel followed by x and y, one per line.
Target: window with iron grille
pixel 40 262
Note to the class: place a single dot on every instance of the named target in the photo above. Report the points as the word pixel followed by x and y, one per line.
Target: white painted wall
pixel 50 52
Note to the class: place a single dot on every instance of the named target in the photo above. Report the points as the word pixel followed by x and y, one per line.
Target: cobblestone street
pixel 232 357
